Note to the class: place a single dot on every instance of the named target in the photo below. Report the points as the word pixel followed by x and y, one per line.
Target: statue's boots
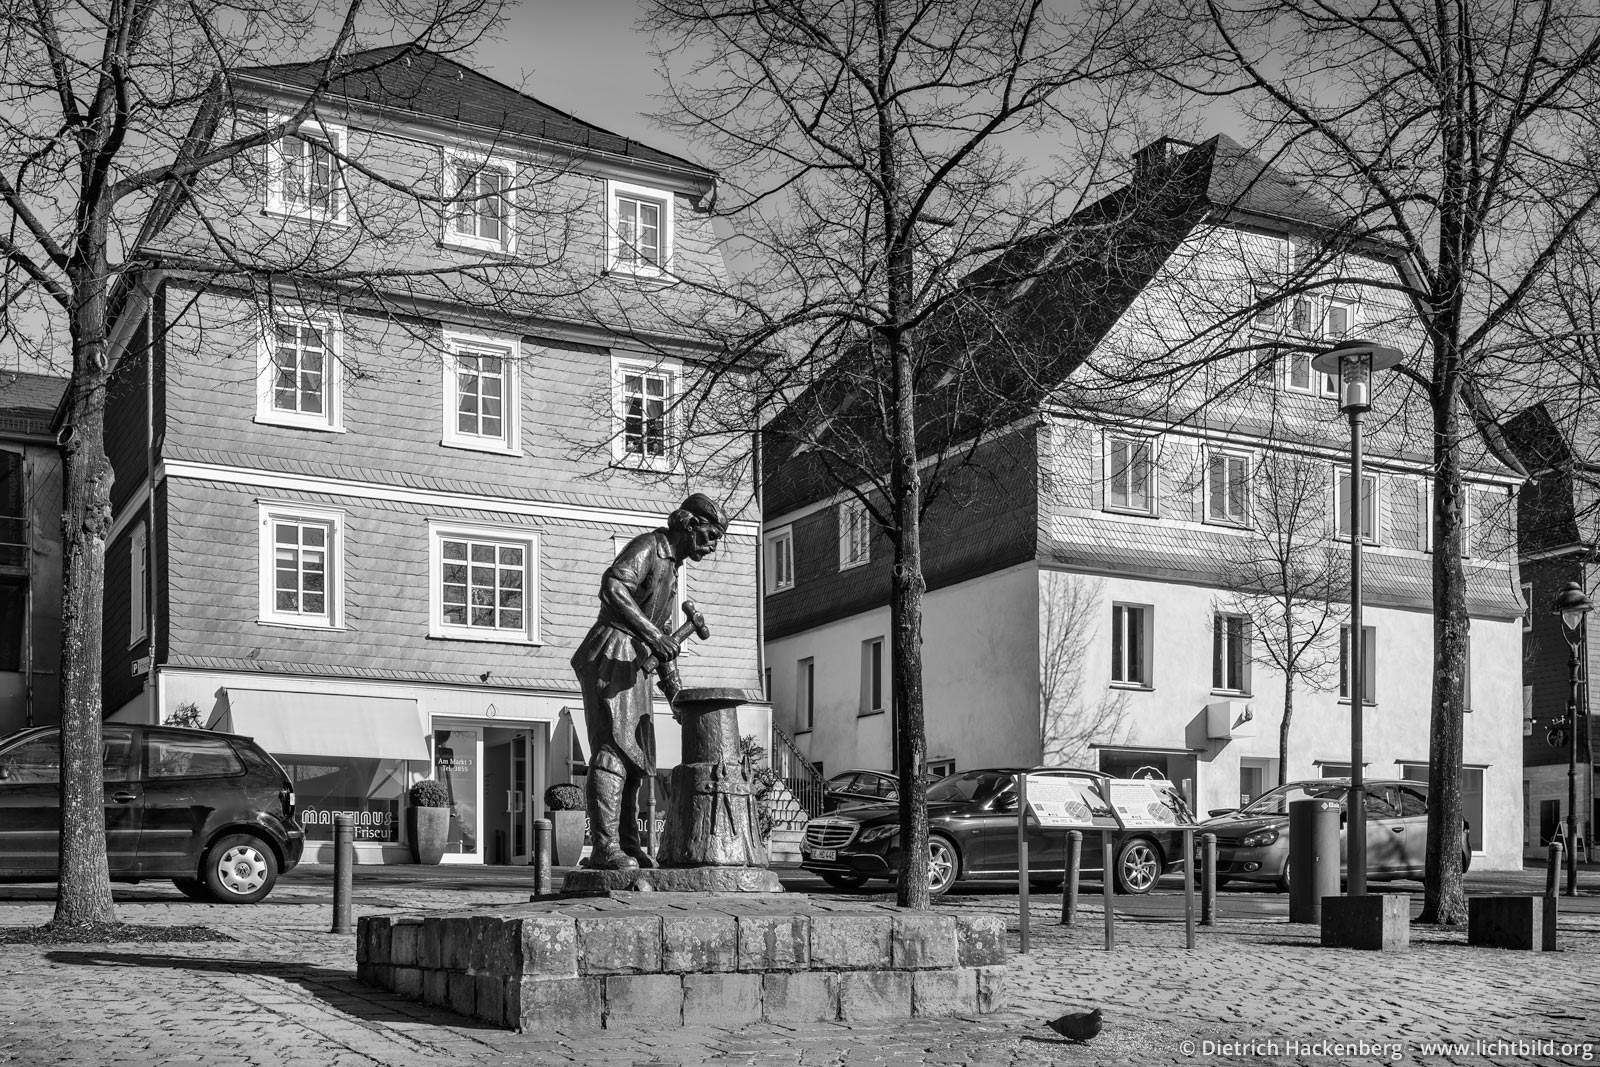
pixel 628 823
pixel 605 811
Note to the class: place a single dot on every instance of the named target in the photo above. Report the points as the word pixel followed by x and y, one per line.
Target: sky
pixel 586 58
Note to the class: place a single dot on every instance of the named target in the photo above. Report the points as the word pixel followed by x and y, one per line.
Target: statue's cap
pixel 703 507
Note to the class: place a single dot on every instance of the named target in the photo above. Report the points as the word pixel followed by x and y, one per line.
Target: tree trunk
pixel 1283 729
pixel 906 589
pixel 1444 894
pixel 84 896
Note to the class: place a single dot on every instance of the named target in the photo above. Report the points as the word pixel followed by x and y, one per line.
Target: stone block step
pixel 681 959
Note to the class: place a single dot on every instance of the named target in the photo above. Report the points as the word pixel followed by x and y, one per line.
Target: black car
pixel 859 787
pixel 211 811
pixel 972 834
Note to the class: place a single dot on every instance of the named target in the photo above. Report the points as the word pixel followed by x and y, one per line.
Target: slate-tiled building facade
pixel 1556 544
pixel 370 530
pixel 30 551
pixel 1079 577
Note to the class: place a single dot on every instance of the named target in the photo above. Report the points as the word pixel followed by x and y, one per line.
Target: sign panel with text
pixel 1149 803
pixel 1069 803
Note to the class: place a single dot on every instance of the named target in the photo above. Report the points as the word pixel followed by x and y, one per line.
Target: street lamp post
pixel 1574 608
pixel 1353 362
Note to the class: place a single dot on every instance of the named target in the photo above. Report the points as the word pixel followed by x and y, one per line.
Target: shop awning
pixel 326 724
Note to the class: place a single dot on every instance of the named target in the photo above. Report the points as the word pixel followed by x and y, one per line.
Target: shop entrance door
pixel 507 795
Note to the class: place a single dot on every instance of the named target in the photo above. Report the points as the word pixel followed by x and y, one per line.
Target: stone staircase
pixel 788 825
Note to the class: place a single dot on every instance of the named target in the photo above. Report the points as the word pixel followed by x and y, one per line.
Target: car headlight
pixel 878 833
pixel 1260 838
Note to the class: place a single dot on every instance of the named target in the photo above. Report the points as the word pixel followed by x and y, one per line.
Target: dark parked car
pixel 1253 842
pixel 211 811
pixel 860 787
pixel 972 834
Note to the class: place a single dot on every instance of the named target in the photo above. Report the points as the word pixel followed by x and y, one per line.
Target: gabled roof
pixel 28 401
pixel 427 84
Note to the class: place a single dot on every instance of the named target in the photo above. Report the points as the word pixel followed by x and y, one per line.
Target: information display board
pixel 1148 803
pixel 1069 803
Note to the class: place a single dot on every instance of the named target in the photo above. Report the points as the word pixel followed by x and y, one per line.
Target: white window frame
pixel 337 137
pixel 855 534
pixel 457 209
pixel 138 584
pixel 331 418
pixel 616 192
pixel 1527 613
pixel 671 373
pixel 875 682
pixel 1318 383
pixel 1145 445
pixel 1341 483
pixel 1228 456
pixel 1137 672
pixel 527 539
pixel 1223 652
pixel 805 695
pixel 269 514
pixel 457 344
pixel 780 559
pixel 1369 664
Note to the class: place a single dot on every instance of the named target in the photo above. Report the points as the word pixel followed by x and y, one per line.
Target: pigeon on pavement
pixel 1078 1025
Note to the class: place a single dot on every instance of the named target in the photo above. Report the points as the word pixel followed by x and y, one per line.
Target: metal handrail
pixel 798 772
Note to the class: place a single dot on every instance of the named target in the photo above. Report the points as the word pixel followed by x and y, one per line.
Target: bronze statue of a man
pixel 638 599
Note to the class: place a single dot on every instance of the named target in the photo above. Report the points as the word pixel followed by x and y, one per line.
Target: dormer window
pixel 640 239
pixel 482 212
pixel 304 179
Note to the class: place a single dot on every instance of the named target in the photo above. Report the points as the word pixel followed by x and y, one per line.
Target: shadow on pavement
pixel 334 987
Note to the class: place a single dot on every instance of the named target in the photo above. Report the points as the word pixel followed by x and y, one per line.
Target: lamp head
pixel 1352 363
pixel 1571 605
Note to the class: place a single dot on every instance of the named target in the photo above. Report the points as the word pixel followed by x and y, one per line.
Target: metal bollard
pixel 1552 873
pixel 344 847
pixel 1208 880
pixel 1188 887
pixel 541 858
pixel 1069 892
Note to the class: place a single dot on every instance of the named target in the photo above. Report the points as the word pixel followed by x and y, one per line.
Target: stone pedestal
pixel 642 963
pixel 672 880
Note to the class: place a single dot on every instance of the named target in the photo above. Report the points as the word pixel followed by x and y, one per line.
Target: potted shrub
pixel 428 821
pixel 564 805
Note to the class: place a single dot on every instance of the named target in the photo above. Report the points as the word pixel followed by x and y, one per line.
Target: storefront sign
pixel 455 763
pixel 369 825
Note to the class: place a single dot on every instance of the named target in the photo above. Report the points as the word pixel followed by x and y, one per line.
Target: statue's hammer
pixel 696 625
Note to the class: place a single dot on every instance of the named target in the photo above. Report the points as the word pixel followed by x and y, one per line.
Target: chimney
pixel 1157 158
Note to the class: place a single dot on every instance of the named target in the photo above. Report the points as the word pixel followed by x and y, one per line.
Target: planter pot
pixel 429 828
pixel 567 833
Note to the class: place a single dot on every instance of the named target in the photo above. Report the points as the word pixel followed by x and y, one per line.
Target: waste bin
pixel 1313 857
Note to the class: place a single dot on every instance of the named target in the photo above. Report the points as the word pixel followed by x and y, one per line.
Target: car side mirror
pixel 1216 812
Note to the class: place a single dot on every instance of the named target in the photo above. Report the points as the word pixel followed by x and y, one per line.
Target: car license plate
pixel 824 854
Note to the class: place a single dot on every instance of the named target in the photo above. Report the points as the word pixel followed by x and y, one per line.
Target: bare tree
pixel 862 144
pixel 1069 722
pixel 1289 582
pixel 1463 138
pixel 126 125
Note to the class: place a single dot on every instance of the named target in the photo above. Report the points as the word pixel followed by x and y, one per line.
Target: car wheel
pixel 944 865
pixel 841 880
pixel 193 888
pixel 240 869
pixel 1138 866
pixel 1283 879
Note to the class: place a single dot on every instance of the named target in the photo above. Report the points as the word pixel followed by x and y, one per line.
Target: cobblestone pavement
pixel 1253 990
